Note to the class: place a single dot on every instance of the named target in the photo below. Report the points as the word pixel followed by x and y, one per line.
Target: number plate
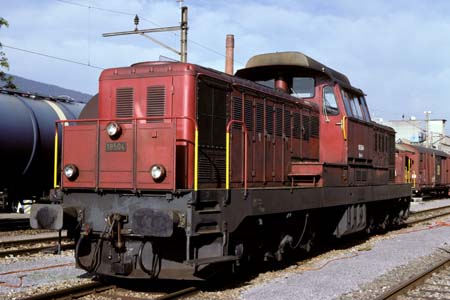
pixel 116 147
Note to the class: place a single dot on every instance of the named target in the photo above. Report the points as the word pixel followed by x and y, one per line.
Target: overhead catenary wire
pixel 52 56
pixel 142 18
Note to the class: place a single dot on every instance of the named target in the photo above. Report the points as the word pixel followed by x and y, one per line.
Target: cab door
pixel 332 129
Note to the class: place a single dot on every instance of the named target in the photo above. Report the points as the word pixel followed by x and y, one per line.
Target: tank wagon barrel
pixel 186 170
pixel 27 142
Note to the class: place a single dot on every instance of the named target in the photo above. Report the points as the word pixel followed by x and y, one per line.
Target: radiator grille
pixel 124 102
pixel 211 166
pixel 156 100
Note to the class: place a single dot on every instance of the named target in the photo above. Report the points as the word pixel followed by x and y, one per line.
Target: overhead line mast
pixel 183 40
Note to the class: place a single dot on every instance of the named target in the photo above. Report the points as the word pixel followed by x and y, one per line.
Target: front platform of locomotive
pixel 127 177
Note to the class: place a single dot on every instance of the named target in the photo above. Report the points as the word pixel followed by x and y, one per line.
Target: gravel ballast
pixel 417 246
pixel 359 272
pixel 27 275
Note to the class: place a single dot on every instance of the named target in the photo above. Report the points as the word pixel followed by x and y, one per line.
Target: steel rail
pixel 14 224
pixel 11 243
pixel 178 294
pixel 72 292
pixel 412 222
pixel 430 210
pixel 412 283
pixel 4 253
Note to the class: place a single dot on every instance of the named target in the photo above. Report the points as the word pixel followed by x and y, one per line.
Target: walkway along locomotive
pixel 187 169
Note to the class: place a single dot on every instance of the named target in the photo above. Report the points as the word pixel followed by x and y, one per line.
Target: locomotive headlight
pixel 158 173
pixel 114 130
pixel 71 171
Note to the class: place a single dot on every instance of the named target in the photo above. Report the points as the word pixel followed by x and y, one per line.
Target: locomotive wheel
pixel 370 225
pixel 384 224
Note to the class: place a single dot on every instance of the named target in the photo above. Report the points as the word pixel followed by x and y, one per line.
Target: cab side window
pixel 330 106
pixel 355 106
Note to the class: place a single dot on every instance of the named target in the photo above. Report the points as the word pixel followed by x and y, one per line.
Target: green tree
pixel 4 63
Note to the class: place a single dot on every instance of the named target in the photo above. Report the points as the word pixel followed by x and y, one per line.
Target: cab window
pixel 355 106
pixel 302 87
pixel 330 106
pixel 362 100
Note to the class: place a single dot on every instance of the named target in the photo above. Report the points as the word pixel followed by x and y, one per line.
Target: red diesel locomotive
pixel 187 169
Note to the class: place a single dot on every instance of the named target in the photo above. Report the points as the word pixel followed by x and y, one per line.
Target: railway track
pixel 107 291
pixel 429 214
pixel 433 283
pixel 8 224
pixel 33 245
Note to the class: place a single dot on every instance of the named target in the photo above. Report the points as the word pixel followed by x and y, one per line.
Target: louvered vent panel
pixel 259 117
pixel 314 126
pixel 124 102
pixel 297 126
pixel 211 166
pixel 279 121
pixel 269 119
pixel 156 102
pixel 237 112
pixel 306 127
pixel 287 123
pixel 249 115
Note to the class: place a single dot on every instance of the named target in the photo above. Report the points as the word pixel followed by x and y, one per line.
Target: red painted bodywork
pixel 170 140
pixel 302 148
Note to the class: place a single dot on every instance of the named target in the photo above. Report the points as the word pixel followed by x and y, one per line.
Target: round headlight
pixel 113 129
pixel 158 173
pixel 71 171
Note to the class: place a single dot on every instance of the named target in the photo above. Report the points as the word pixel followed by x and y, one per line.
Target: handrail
pixel 343 127
pixel 227 155
pixel 55 167
pixel 57 122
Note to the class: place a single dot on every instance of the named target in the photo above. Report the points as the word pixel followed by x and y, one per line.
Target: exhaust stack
pixel 229 60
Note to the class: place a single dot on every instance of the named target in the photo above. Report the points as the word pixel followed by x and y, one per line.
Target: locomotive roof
pixel 277 62
pixel 158 68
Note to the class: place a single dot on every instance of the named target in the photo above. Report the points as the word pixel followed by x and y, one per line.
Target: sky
pixel 397 52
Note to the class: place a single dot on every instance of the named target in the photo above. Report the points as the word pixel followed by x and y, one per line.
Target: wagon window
pixel 302 87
